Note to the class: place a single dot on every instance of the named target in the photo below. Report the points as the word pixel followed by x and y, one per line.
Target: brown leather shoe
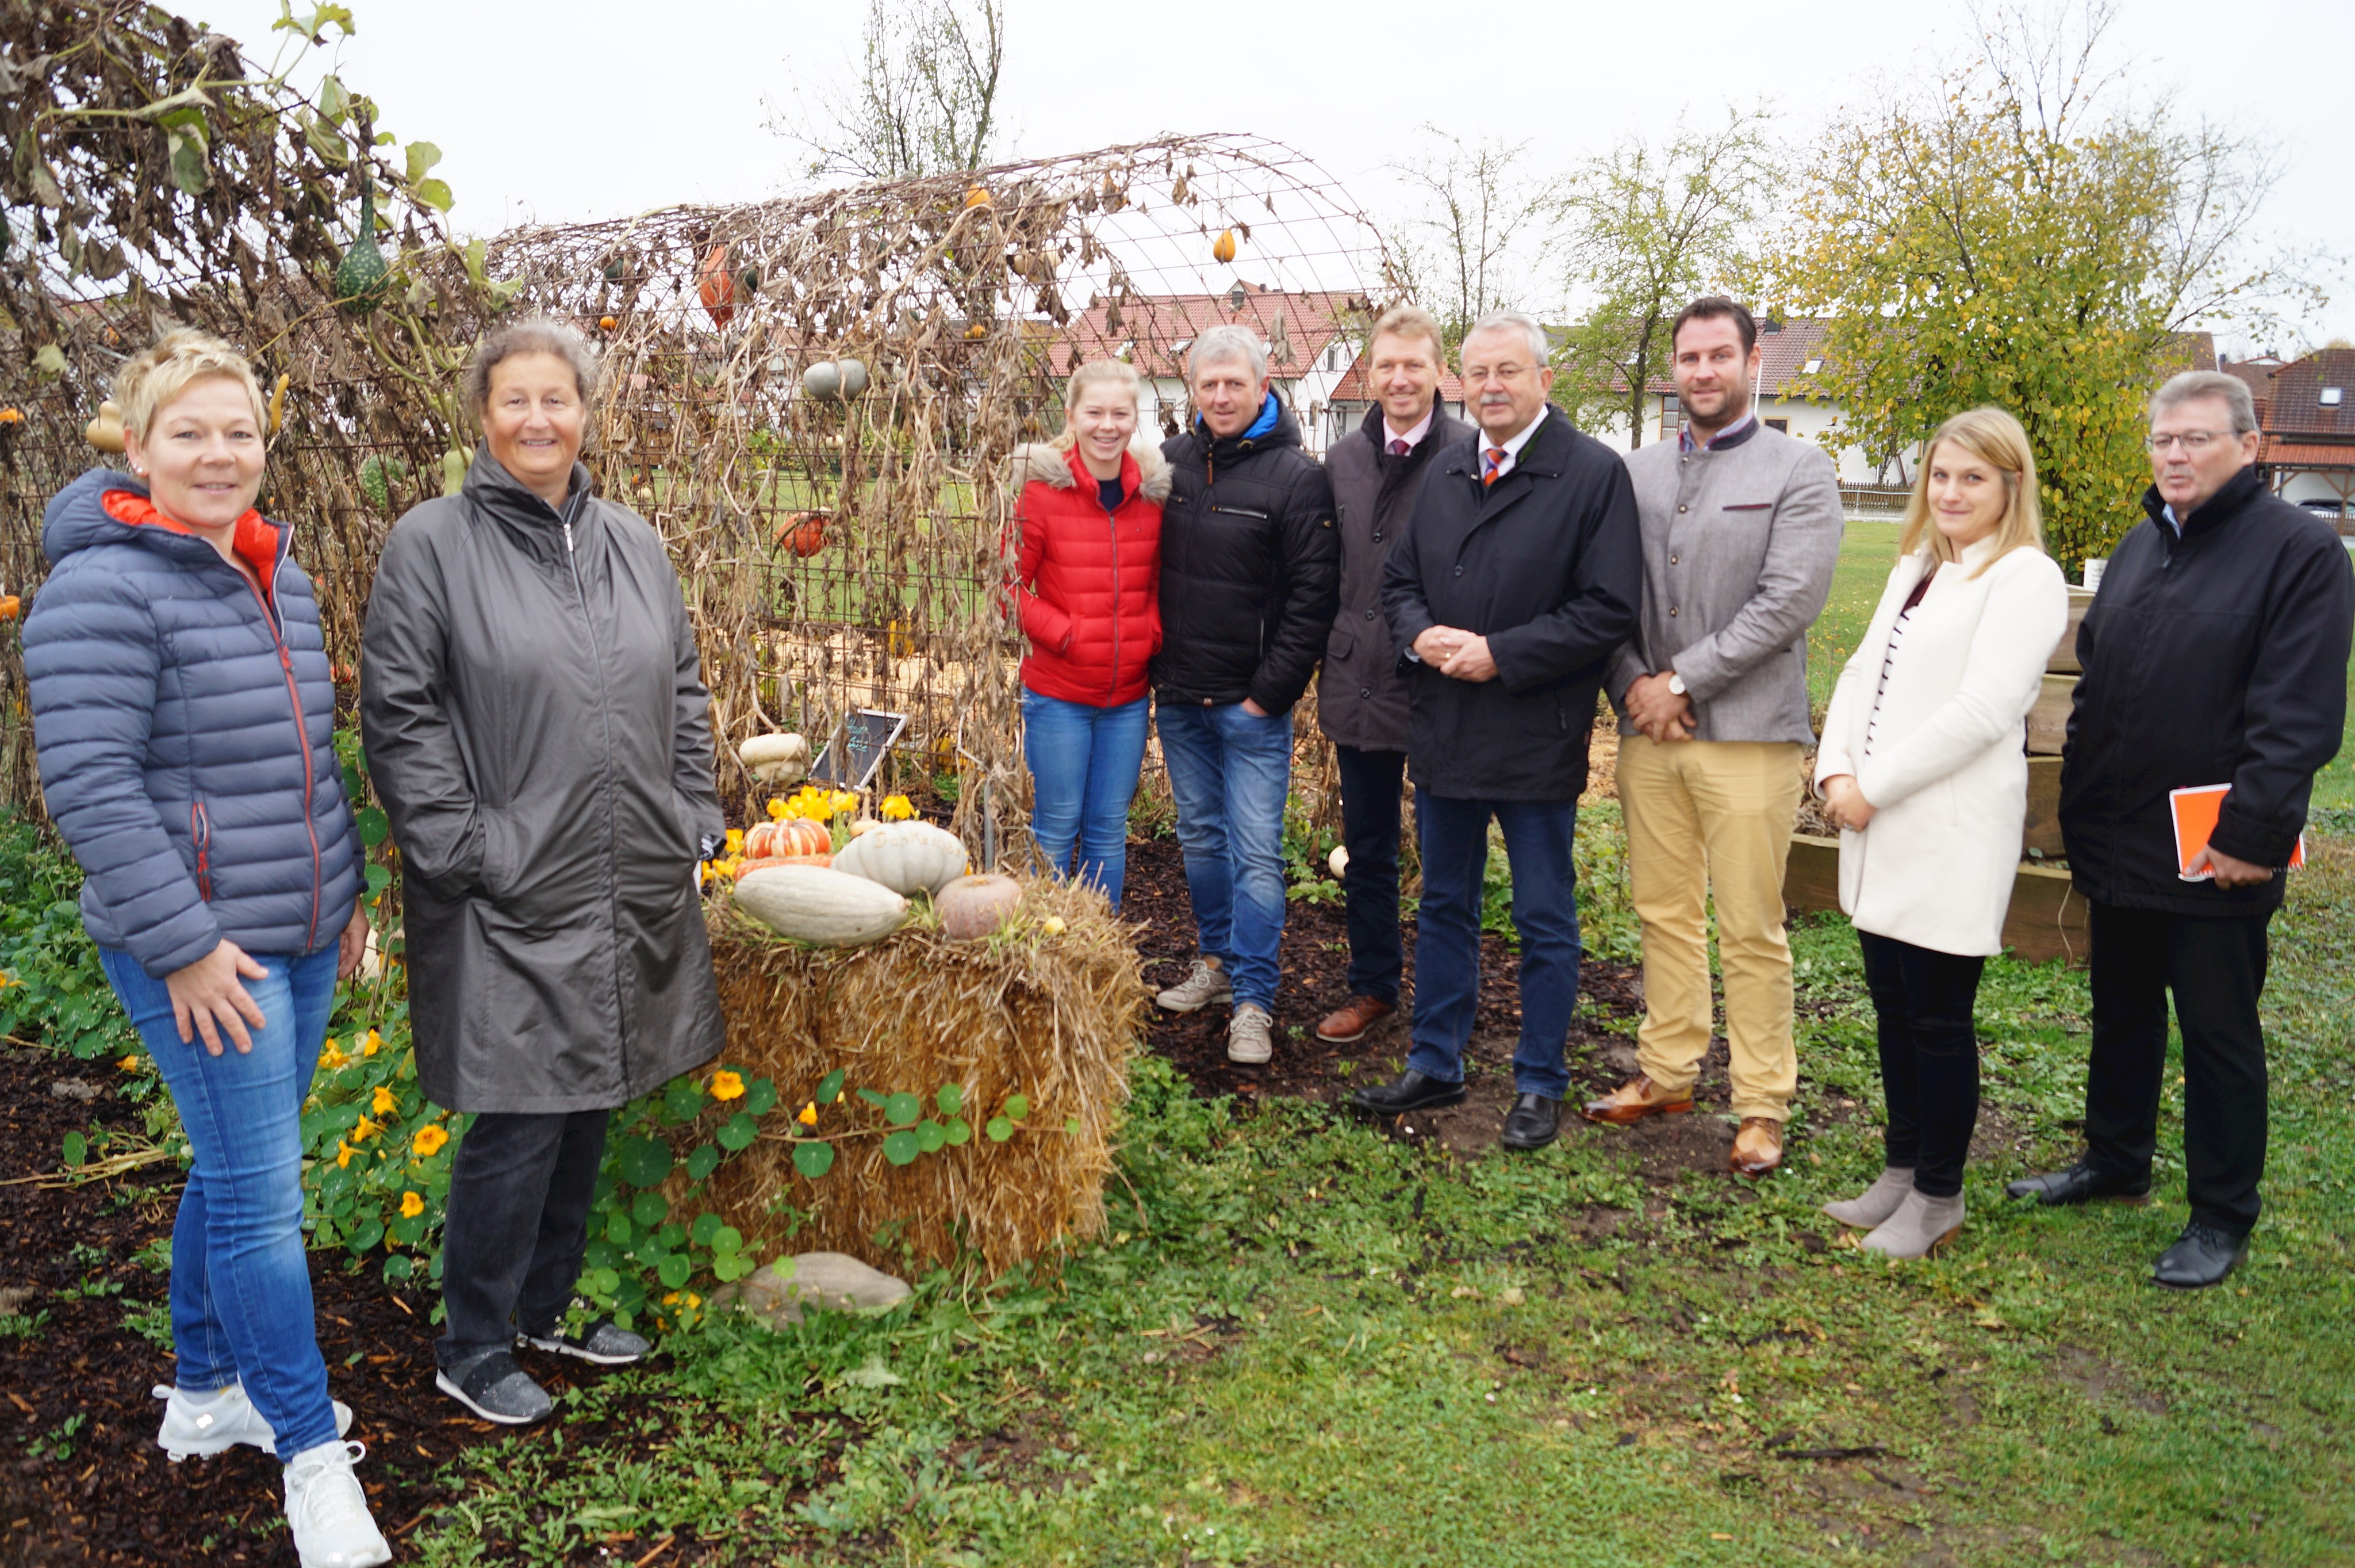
pixel 1347 1023
pixel 1757 1146
pixel 1633 1101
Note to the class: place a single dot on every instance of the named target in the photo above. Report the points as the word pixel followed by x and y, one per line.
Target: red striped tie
pixel 1496 459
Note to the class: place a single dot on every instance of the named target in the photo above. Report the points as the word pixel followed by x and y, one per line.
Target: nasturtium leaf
pixel 607 1281
pixel 956 1130
pixel 379 879
pixel 1000 1129
pixel 1017 1106
pixel 931 1135
pixel 813 1159
pixel 671 1235
pixel 408 1229
pixel 873 1097
pixel 951 1099
pixel 672 1271
pixel 829 1088
pixel 368 1237
pixel 730 1266
pixel 644 1161
pixel 682 1098
pixel 398 1268
pixel 650 1208
pixel 760 1096
pixel 727 1240
pixel 899 1148
pixel 374 826
pixel 76 1150
pixel 705 1226
pixel 902 1108
pixel 600 1253
pixel 738 1132
pixel 702 1162
pixel 618 1229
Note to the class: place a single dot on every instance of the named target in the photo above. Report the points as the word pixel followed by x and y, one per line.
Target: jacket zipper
pixel 605 721
pixel 302 735
pixel 200 829
pixel 1112 525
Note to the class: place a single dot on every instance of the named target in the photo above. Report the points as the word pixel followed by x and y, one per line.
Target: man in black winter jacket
pixel 2215 654
pixel 1250 573
pixel 1378 470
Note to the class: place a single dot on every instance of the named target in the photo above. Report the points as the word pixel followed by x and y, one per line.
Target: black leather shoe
pixel 1535 1122
pixel 1412 1092
pixel 2200 1257
pixel 2080 1182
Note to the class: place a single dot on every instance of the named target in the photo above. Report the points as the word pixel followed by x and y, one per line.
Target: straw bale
pixel 1055 1018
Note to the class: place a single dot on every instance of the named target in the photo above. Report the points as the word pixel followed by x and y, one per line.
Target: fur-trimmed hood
pixel 1044 463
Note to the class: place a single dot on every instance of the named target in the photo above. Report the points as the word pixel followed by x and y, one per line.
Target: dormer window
pixel 1811 367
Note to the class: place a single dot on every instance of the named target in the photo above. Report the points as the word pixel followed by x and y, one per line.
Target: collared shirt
pixel 2174 523
pixel 1734 435
pixel 1413 438
pixel 1512 447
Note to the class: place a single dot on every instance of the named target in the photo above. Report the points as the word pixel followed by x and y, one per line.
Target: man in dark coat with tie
pixel 1519 575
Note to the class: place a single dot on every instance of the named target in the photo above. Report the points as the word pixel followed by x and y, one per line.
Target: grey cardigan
pixel 1739 544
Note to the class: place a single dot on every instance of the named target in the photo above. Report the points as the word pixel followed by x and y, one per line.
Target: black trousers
pixel 1929 1057
pixel 2216 969
pixel 1370 782
pixel 515 1226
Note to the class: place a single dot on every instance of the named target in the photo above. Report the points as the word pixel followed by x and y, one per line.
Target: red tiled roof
pixel 1783 355
pixel 1157 328
pixel 2297 407
pixel 2306 453
pixel 1355 385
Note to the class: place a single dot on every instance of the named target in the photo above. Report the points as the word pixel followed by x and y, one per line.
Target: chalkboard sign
pixel 857 749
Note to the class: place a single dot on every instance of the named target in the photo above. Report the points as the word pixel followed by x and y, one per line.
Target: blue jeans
pixel 1084 762
pixel 1229 773
pixel 241 1283
pixel 1537 836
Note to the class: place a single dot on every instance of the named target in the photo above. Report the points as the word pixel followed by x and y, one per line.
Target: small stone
pixel 80 1089
pixel 834 1282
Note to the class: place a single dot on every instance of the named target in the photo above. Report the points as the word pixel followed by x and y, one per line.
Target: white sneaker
pixel 1206 983
pixel 202 1423
pixel 329 1512
pixel 1251 1035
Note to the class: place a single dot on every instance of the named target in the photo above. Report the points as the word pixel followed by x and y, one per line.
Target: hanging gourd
pixel 977 331
pixel 854 376
pixel 977 197
pixel 615 269
pixel 607 322
pixel 716 287
pixel 802 533
pixel 363 276
pixel 278 402
pixel 1222 249
pixel 105 431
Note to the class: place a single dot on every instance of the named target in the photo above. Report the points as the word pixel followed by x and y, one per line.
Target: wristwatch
pixel 1676 684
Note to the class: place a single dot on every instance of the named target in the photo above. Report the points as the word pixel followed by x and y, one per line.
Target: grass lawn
pixel 1309 1343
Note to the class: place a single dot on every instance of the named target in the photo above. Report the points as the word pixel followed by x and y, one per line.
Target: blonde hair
pixel 1096 372
pixel 1411 321
pixel 1994 437
pixel 152 379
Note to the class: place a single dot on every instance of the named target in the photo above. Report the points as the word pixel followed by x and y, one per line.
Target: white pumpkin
pixel 905 857
pixel 812 904
pixel 776 759
pixel 973 907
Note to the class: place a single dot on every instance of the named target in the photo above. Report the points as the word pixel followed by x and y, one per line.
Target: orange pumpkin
pixel 607 322
pixel 9 605
pixel 792 836
pixel 745 868
pixel 977 197
pixel 1222 249
pixel 802 533
pixel 716 286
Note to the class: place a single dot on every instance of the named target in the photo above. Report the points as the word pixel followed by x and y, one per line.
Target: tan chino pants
pixel 1704 817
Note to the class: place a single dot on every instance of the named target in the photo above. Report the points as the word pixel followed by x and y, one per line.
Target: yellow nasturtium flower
pixel 726 1086
pixel 735 841
pixel 332 1057
pixel 128 1064
pixel 375 1043
pixel 382 1104
pixel 343 1154
pixel 430 1139
pixel 411 1205
pixel 898 808
pixel 365 1131
pixel 809 1117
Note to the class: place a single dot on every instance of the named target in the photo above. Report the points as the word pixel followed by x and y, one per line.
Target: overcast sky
pixel 597 108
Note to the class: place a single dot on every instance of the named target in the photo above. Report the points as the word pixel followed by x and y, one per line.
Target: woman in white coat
pixel 1924 767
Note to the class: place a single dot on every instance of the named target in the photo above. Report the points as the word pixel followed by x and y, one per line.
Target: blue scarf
pixel 1268 414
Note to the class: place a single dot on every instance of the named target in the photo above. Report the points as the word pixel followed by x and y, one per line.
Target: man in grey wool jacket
pixel 1740 530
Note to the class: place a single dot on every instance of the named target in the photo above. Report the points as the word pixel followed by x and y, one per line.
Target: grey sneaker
pixel 1251 1036
pixel 602 1342
pixel 201 1425
pixel 495 1389
pixel 1206 983
pixel 1877 1202
pixel 327 1511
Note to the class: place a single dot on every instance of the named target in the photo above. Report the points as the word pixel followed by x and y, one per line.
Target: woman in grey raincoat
pixel 535 722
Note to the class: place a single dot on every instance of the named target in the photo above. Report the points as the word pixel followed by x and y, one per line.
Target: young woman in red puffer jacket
pixel 1087 591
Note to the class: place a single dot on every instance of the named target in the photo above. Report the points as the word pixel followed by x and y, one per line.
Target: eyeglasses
pixel 2192 441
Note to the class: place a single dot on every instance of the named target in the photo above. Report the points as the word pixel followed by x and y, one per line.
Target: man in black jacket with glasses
pixel 2215 654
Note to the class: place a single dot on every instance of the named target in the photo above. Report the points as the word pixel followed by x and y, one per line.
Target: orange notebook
pixel 2196 810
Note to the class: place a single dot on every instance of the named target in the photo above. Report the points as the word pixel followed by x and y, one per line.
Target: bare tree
pixel 1647 228
pixel 1482 227
pixel 924 100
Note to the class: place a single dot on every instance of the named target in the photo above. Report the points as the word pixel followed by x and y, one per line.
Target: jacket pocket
pixel 1337 647
pixel 1748 506
pixel 200 833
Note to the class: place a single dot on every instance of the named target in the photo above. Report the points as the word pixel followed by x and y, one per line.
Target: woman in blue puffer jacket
pixel 184 718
